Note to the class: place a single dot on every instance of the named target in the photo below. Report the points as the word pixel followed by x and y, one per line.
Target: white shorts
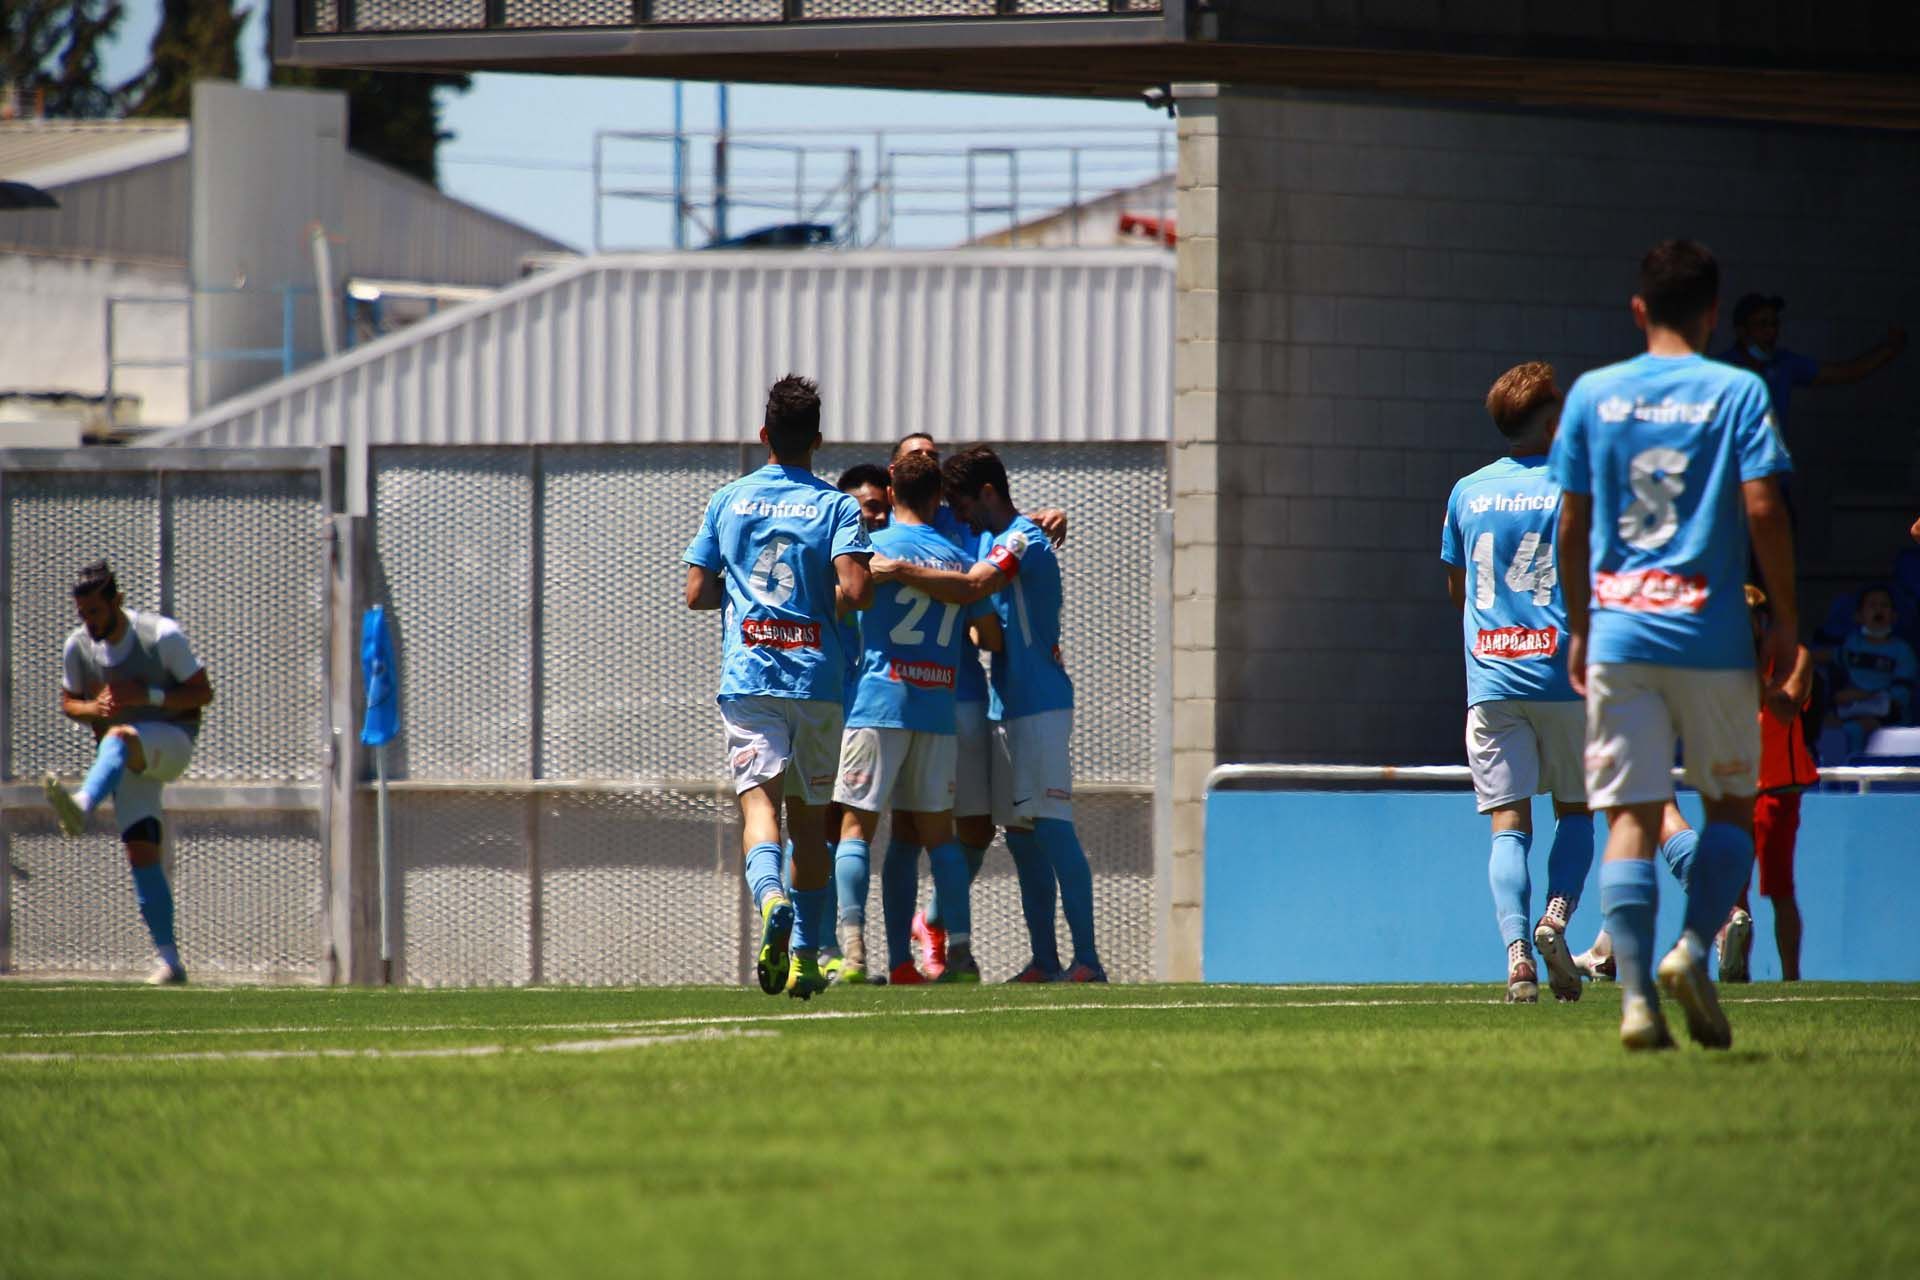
pixel 1032 772
pixel 1518 748
pixel 902 768
pixel 972 762
pixel 167 750
pixel 768 737
pixel 1636 711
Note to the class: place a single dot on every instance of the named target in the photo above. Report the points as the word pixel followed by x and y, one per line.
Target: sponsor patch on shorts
pixel 1057 793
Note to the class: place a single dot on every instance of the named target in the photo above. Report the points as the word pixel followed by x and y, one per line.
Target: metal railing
pixel 1862 776
pixel 917 187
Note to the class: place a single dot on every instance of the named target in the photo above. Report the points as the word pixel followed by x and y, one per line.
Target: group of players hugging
pixel 852 686
pixel 1602 572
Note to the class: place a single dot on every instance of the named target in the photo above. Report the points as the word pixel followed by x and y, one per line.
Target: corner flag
pixel 376 665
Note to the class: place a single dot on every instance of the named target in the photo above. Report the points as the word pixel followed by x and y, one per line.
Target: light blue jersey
pixel 1029 675
pixel 1663 444
pixel 973 676
pixel 913 642
pixel 1499 528
pixel 775 534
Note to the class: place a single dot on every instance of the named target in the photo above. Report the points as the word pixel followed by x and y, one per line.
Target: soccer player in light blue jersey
pixel 1526 727
pixel 785 553
pixel 972 775
pixel 1031 704
pixel 899 745
pixel 1667 463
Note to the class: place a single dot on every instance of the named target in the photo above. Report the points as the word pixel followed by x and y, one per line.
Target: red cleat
pixel 933 944
pixel 905 975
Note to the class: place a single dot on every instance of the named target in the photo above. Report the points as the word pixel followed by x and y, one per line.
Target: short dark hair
pixel 95 578
pixel 1875 589
pixel 1749 303
pixel 1518 395
pixel 916 482
pixel 1679 279
pixel 901 443
pixel 861 474
pixel 793 416
pixel 972 469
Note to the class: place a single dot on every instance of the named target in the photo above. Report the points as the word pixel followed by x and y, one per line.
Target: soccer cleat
pixel 851 965
pixel 1736 948
pixel 1034 973
pixel 932 941
pixel 1642 1026
pixel 73 819
pixel 1685 979
pixel 167 975
pixel 1083 972
pixel 961 966
pixel 1597 968
pixel 804 976
pixel 1523 984
pixel 776 930
pixel 1550 936
pixel 905 975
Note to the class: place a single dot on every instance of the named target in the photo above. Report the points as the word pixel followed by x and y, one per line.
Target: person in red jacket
pixel 1786 770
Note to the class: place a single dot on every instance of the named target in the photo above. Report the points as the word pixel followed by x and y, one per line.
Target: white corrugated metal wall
pixel 1059 347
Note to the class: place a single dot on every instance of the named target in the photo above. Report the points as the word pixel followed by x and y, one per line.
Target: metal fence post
pixel 353 889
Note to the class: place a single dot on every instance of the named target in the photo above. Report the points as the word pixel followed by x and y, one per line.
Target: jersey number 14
pixel 1531 571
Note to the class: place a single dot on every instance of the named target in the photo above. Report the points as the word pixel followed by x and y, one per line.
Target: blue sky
pixel 523 145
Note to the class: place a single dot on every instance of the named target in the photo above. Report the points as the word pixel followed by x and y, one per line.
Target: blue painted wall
pixel 1316 886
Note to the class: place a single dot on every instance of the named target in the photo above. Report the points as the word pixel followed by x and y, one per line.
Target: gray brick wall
pixel 1353 276
pixel 1370 269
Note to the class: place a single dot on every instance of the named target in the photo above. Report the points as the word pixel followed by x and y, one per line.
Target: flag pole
pixel 383 843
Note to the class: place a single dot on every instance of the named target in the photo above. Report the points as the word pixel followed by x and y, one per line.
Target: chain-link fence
pixel 557 807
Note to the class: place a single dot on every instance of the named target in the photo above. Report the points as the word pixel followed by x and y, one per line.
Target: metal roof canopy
pixel 1848 62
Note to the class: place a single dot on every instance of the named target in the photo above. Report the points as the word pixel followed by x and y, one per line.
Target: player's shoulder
pixel 75 638
pixel 1605 378
pixel 1497 471
pixel 1023 537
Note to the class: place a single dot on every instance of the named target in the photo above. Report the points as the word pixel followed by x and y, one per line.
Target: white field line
pixel 461 1051
pixel 739 1020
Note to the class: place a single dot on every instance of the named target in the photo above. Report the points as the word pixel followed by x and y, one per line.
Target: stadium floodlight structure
pixel 1763 61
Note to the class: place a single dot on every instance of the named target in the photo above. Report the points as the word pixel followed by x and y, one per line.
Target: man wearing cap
pixel 1756 346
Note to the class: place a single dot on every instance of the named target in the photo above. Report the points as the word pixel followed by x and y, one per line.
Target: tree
pixel 52 48
pixel 195 40
pixel 392 116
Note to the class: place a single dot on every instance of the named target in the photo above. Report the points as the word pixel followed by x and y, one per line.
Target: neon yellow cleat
pixel 776 929
pixel 804 976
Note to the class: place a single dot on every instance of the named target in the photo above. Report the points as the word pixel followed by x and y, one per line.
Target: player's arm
pixel 945 585
pixel 1457 586
pixel 1052 522
pixel 76 707
pixel 1834 372
pixel 1784 703
pixel 703 588
pixel 986 634
pixel 854 590
pixel 1570 546
pixel 1773 547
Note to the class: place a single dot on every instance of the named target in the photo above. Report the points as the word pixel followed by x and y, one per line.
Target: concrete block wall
pixel 1353 276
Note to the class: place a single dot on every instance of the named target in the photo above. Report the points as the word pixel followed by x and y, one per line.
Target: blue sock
pixel 951 884
pixel 852 874
pixel 109 762
pixel 1071 869
pixel 1031 865
pixel 1678 853
pixel 810 920
pixel 156 904
pixel 764 865
pixel 1570 857
pixel 899 887
pixel 1629 896
pixel 976 858
pixel 1512 890
pixel 1720 871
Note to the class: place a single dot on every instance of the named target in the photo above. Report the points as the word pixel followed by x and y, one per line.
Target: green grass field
pixel 1407 1131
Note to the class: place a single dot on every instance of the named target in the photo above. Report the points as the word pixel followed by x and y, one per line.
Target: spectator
pixel 1756 346
pixel 1874 683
